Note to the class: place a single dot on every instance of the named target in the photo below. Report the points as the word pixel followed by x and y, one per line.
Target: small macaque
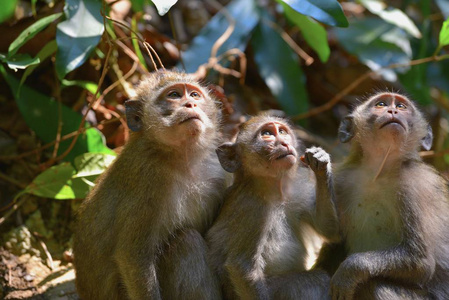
pixel 139 232
pixel 276 205
pixel 393 208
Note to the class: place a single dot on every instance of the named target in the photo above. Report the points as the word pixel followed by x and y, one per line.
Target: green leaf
pixel 137 5
pixel 43 54
pixel 393 16
pixel 314 34
pixel 279 67
pixel 30 32
pixel 444 34
pixel 92 87
pixel 78 36
pixel 21 61
pixel 375 43
pixel 41 114
pixel 7 11
pixel 163 6
pixel 55 183
pixel 246 16
pixel 92 164
pixel 326 11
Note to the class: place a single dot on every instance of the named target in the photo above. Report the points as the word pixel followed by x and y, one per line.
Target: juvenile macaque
pixel 139 232
pixel 393 208
pixel 258 244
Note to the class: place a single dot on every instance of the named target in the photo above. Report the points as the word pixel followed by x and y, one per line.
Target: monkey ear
pixel 228 157
pixel 426 142
pixel 133 108
pixel 346 129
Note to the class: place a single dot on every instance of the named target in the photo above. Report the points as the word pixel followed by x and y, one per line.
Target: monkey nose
pixel 392 111
pixel 190 105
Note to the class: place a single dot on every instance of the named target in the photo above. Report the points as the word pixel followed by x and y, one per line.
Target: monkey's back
pixel 139 200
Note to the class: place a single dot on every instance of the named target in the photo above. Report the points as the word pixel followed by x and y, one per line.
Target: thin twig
pixel 12 210
pixel 337 98
pixel 12 181
pixel 382 164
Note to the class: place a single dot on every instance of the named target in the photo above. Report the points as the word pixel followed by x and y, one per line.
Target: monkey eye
pixel 401 106
pixel 195 95
pixel 283 131
pixel 266 133
pixel 381 104
pixel 174 94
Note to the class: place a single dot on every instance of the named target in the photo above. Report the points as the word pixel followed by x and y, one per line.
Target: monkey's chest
pixel 282 250
pixel 371 221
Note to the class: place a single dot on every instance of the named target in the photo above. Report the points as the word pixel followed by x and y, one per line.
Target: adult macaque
pixel 258 245
pixel 393 208
pixel 139 232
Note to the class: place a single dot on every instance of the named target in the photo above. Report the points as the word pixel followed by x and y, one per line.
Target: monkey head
pixel 265 146
pixel 388 119
pixel 173 109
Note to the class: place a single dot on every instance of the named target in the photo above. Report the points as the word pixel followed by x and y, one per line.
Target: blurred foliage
pixel 70 65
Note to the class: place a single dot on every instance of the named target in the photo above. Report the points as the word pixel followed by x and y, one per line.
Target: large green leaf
pixel 92 164
pixel 30 32
pixel 392 15
pixel 246 16
pixel 8 8
pixel 326 11
pixel 78 36
pixel 314 34
pixel 279 67
pixel 444 34
pixel 376 44
pixel 41 114
pixel 163 6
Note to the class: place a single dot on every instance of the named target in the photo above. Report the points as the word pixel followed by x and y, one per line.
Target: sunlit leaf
pixel 21 61
pixel 246 16
pixel 54 182
pixel 92 87
pixel 163 6
pixel 7 11
pixel 78 36
pixel 444 34
pixel 314 34
pixel 90 164
pixel 30 32
pixel 43 54
pixel 41 114
pixel 326 11
pixel 393 15
pixel 279 67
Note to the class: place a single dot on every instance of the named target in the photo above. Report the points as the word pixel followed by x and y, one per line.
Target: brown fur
pixel 395 223
pixel 258 245
pixel 155 201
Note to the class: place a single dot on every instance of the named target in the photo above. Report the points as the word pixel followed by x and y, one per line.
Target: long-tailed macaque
pixel 258 244
pixel 139 232
pixel 393 208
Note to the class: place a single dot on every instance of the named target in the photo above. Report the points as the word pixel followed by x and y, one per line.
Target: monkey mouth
pixel 393 121
pixel 285 155
pixel 190 118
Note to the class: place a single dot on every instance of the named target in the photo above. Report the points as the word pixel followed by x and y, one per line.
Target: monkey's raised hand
pixel 317 159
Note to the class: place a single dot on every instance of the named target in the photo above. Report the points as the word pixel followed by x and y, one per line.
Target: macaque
pixel 139 232
pixel 258 244
pixel 393 208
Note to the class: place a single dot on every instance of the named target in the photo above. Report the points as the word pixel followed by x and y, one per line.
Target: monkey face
pixel 265 147
pixel 275 145
pixel 390 114
pixel 387 120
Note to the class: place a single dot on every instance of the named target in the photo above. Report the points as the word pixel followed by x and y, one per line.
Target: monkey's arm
pixel 411 261
pixel 136 256
pixel 324 214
